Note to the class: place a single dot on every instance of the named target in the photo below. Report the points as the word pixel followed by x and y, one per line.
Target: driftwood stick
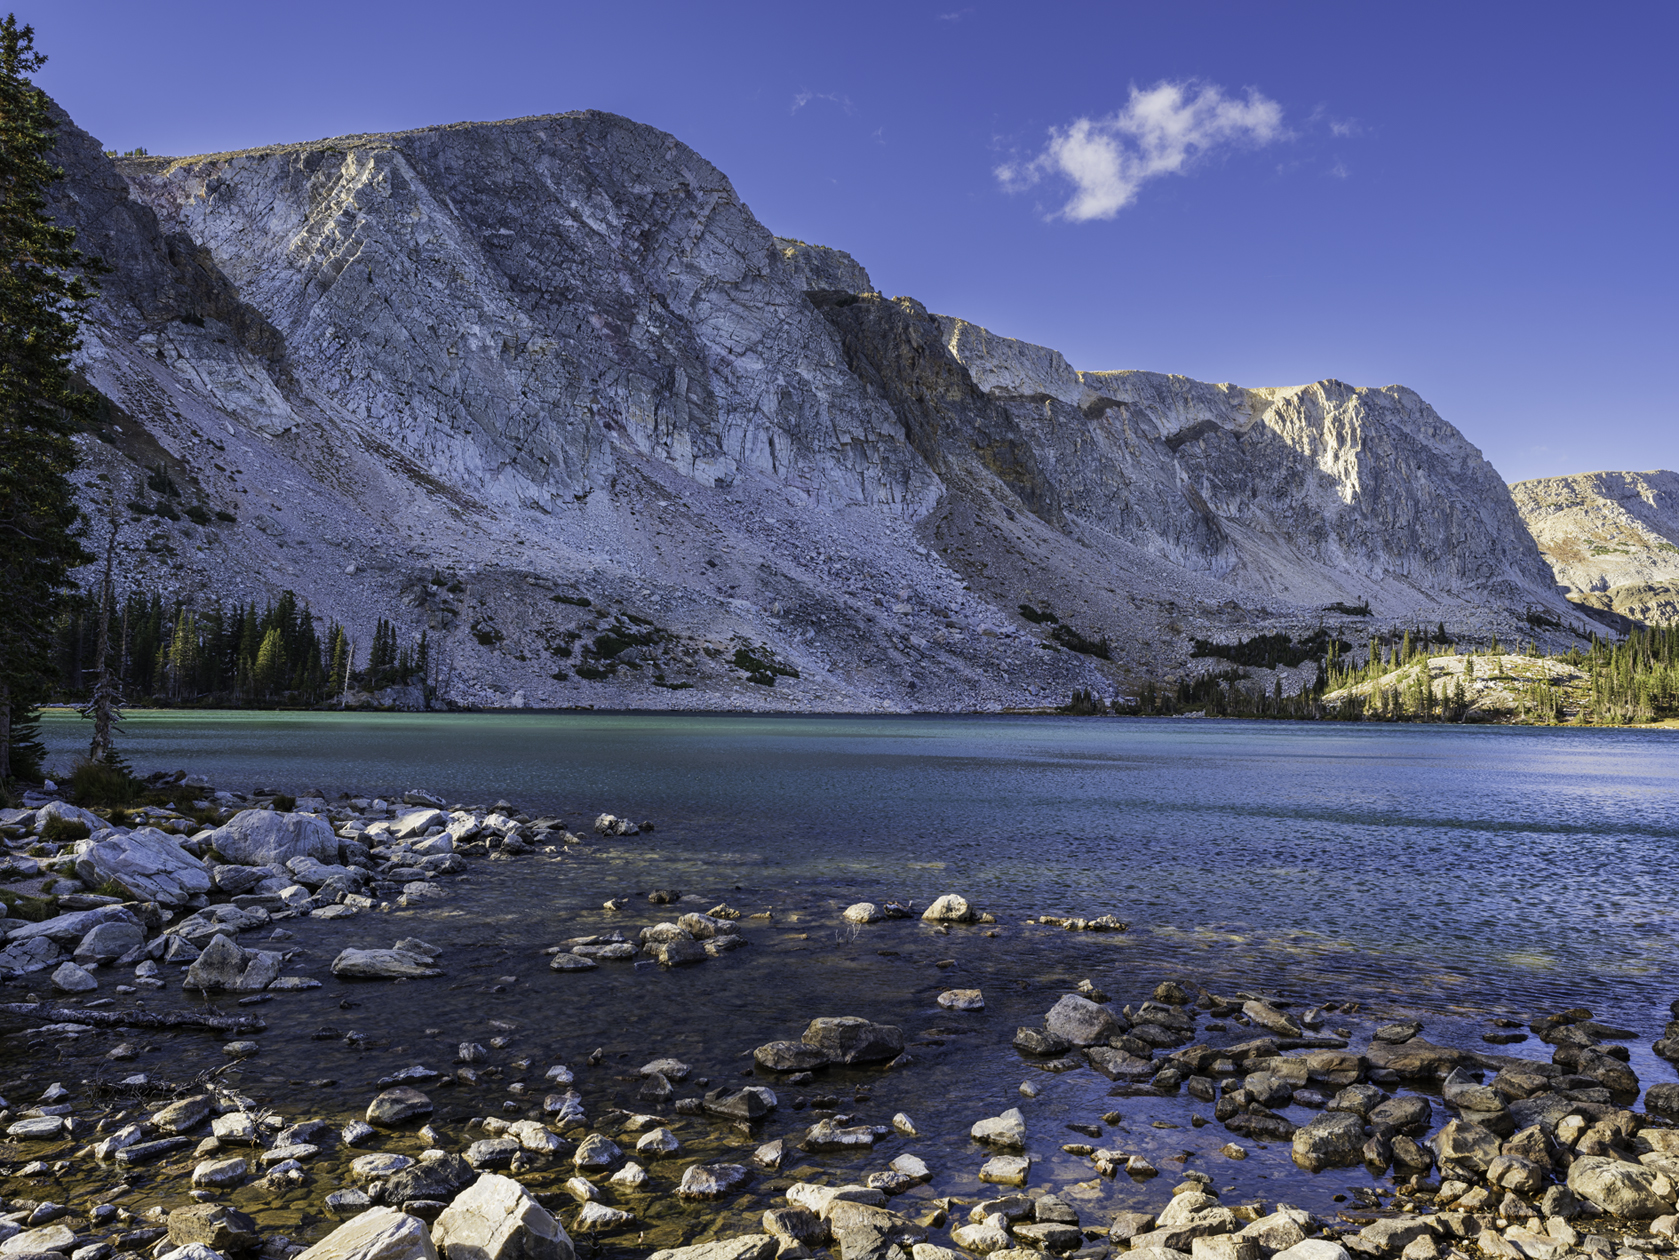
pixel 134 1019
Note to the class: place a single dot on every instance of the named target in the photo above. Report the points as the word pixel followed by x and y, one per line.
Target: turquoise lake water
pixel 1527 860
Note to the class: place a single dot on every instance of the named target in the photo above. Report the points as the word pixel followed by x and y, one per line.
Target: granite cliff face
pixel 1612 538
pixel 466 376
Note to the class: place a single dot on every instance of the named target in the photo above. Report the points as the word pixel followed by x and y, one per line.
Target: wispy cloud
pixel 1340 171
pixel 955 16
pixel 801 99
pixel 1163 130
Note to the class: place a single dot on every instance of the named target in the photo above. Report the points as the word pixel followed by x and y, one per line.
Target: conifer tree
pixel 43 297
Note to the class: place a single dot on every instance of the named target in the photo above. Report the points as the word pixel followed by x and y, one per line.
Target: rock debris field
pixel 163 935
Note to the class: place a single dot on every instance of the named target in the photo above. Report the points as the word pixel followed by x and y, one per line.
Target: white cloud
pixel 1162 130
pixel 801 99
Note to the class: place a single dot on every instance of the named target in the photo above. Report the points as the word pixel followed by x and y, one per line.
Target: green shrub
pixel 101 783
pixel 64 830
pixel 32 909
pixel 285 803
pixel 1038 616
pixel 1073 641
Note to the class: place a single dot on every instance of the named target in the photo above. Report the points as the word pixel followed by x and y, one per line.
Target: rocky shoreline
pixel 1536 1159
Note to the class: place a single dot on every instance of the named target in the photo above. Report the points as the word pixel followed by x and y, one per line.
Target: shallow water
pixel 1444 872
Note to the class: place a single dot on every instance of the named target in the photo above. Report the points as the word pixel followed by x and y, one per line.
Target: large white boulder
pixel 148 864
pixel 261 837
pixel 495 1218
pixel 379 1233
pixel 69 929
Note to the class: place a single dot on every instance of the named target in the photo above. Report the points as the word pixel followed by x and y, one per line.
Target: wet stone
pixel 395 1106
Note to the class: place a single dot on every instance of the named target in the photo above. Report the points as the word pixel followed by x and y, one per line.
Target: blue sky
pixel 1479 201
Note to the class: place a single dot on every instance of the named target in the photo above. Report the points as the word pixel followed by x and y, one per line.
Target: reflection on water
pixel 1452 874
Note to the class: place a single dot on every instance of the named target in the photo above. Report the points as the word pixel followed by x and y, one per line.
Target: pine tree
pixel 43 298
pixel 269 674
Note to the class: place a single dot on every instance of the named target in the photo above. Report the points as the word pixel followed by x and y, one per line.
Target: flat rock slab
pixel 383 964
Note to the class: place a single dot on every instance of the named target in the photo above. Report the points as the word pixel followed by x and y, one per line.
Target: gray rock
pixel 1621 1189
pixel 1270 1018
pixel 492 1152
pixel 847 1039
pixel 213 1225
pixel 949 908
pixel 572 962
pixel 108 942
pixel 397 1106
pixel 223 965
pixel 31 955
pixel 744 1247
pixel 380 1233
pixel 596 1152
pixel 69 978
pixel 184 1116
pixel 1465 1147
pixel 68 929
pixel 1407 1114
pixel 220 1174
pixel 712 1181
pixel 1007 1130
pixel 796 1225
pixel 1081 1022
pixel 683 951
pixel 1332 1140
pixel 260 837
pixel 789 1056
pixel 148 864
pixel 1037 1041
pixel 1659 1100
pixel 383 964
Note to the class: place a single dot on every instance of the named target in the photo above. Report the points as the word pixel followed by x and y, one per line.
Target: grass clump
pixel 64 831
pixel 93 783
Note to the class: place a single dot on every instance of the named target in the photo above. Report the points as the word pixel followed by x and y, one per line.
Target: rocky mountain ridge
pixel 469 376
pixel 1612 538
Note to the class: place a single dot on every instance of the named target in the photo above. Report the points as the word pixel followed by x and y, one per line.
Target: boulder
pixel 1663 1100
pixel 69 978
pixel 1270 1018
pixel 262 837
pixel 745 1247
pixel 497 1219
pixel 789 1056
pixel 379 1233
pixel 108 942
pixel 27 956
pixel 949 908
pixel 1465 1147
pixel 223 965
pixel 383 964
pixel 183 1116
pixel 1081 1022
pixel 1621 1189
pixel 1332 1140
pixel 68 929
pixel 683 951
pixel 433 1177
pixel 597 1151
pixel 962 1000
pixel 213 1225
pixel 712 1181
pixel 1407 1113
pixel 395 1106
pixel 863 912
pixel 1007 1130
pixel 148 864
pixel 847 1039
pixel 45 1240
pixel 1314 1249
pixel 219 1174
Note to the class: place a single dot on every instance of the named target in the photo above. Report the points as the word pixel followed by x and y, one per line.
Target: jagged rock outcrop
pixel 1612 539
pixel 470 377
pixel 1317 493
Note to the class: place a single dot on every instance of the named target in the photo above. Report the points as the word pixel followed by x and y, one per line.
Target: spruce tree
pixel 43 298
